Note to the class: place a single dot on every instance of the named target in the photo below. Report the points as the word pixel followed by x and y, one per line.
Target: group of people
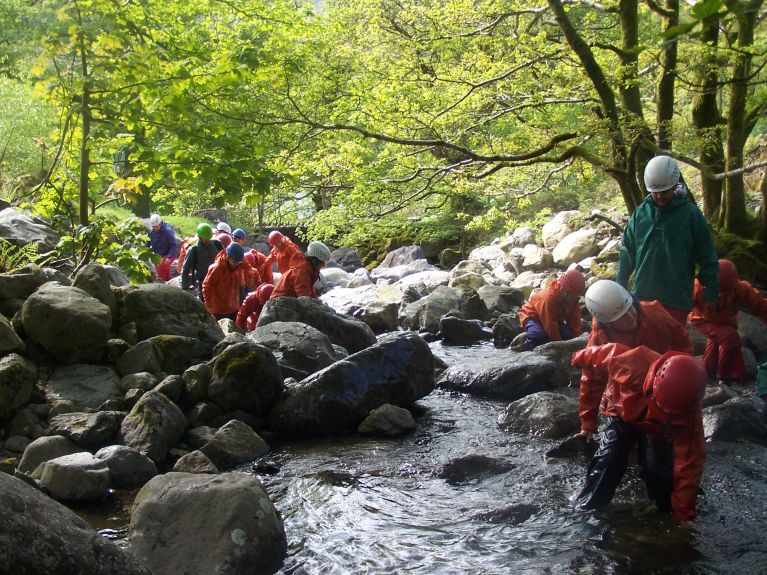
pixel 232 280
pixel 638 368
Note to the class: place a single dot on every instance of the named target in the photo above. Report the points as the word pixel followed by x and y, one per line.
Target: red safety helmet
pixel 250 258
pixel 573 282
pixel 225 239
pixel 275 237
pixel 728 276
pixel 264 292
pixel 678 385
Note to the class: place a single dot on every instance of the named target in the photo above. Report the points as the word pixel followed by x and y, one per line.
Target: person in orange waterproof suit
pixel 722 358
pixel 263 266
pixel 652 401
pixel 221 286
pixel 252 306
pixel 299 280
pixel 554 314
pixel 283 251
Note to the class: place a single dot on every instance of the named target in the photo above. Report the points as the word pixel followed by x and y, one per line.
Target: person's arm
pixel 689 457
pixel 574 318
pixel 749 297
pixel 627 260
pixel 303 283
pixel 187 272
pixel 705 256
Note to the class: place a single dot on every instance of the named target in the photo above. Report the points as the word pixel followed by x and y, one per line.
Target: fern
pixel 13 258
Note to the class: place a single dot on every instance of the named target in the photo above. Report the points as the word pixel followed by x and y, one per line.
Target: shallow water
pixel 372 506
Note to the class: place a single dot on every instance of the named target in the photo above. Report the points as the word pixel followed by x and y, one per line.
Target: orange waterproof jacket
pixel 250 276
pixel 264 267
pixel 656 329
pixel 630 373
pixel 726 313
pixel 548 307
pixel 249 312
pixel 221 287
pixel 298 280
pixel 283 255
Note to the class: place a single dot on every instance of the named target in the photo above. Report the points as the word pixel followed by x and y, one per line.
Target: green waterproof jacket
pixel 661 246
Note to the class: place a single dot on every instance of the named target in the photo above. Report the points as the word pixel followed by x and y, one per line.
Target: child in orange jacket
pixel 722 357
pixel 554 314
pixel 221 286
pixel 653 402
pixel 283 250
pixel 252 306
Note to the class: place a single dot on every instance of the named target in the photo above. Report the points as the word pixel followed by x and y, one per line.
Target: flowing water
pixel 461 496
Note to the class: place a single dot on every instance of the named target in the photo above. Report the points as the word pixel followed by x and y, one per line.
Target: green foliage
pixel 124 244
pixel 14 258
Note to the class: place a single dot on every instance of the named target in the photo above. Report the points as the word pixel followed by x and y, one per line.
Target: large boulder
pixel 45 449
pixel 75 477
pixel 576 246
pixel 351 334
pixel 245 376
pixel 509 376
pixel 501 299
pixel 20 285
pixel 40 535
pixel 128 467
pixel 160 309
pixel 346 258
pixel 17 379
pixel 67 322
pixel 396 273
pixel 739 418
pixel 425 314
pixel 88 430
pixel 402 256
pixel 558 227
pixel 199 523
pixel 178 352
pixel 543 414
pixel 299 348
pixel 9 339
pixel 233 444
pixel 22 228
pixel 85 385
pixel 96 280
pixel 399 369
pixel 536 258
pixel 424 282
pixel 153 426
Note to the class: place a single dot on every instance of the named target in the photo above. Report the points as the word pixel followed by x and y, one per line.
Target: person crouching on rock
pixel 554 314
pixel 304 271
pixel 221 287
pixel 252 306
pixel 652 401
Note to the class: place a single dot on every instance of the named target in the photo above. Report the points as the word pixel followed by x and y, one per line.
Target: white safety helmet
pixel 661 174
pixel 318 250
pixel 224 227
pixel 607 301
pixel 155 220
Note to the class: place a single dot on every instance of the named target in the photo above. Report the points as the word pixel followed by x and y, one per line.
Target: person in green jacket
pixel 666 236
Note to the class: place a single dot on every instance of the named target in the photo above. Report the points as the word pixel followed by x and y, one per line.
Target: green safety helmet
pixel 204 231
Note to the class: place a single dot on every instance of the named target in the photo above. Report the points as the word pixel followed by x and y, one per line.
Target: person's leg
pixel 535 334
pixel 608 464
pixel 731 365
pixel 711 353
pixel 656 468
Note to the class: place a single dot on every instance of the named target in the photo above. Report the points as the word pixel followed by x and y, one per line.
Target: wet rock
pixel 512 515
pixel 380 316
pixel 544 414
pixel 424 314
pixel 45 449
pixel 75 477
pixel 509 376
pixel 717 394
pixel 457 331
pixel 472 306
pixel 203 413
pixel 85 385
pixel 128 468
pixel 233 444
pixel 193 523
pixel 159 309
pixel 753 333
pixel 179 352
pixel 67 322
pixel 63 542
pixel 505 329
pixel 195 462
pixel 342 330
pixel 299 348
pixel 399 369
pixel 735 419
pixel 153 426
pixel 561 352
pixel 245 376
pixel 572 447
pixel 88 430
pixel 17 379
pixel 472 468
pixel 387 421
pixel 501 299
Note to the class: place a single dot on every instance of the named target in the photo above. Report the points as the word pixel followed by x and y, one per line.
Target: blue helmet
pixel 240 233
pixel 235 251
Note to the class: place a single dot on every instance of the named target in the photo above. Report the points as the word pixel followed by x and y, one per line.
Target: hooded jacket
pixel 197 262
pixel 298 280
pixel 221 287
pixel 548 307
pixel 726 311
pixel 163 241
pixel 283 255
pixel 630 373
pixel 661 246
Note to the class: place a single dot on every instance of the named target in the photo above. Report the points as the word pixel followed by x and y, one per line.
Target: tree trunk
pixel 85 116
pixel 734 218
pixel 708 122
pixel 665 112
pixel 761 220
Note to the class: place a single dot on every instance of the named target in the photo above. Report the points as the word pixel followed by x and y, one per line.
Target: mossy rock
pixel 747 254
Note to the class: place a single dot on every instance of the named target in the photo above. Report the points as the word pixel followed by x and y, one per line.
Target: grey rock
pixel 75 477
pixel 88 430
pixel 387 421
pixel 153 426
pixel 128 468
pixel 85 385
pixel 544 414
pixel 233 444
